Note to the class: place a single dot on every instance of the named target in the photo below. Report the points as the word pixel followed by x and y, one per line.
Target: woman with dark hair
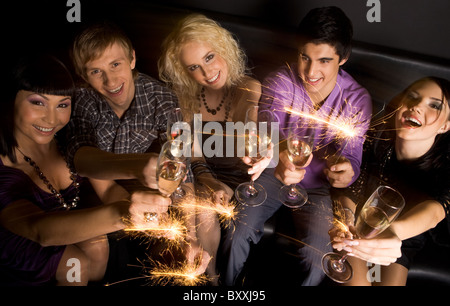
pixel 411 154
pixel 42 233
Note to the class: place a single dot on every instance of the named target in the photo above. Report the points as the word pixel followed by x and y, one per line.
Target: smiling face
pixel 318 67
pixel 423 113
pixel 204 65
pixel 112 76
pixel 38 117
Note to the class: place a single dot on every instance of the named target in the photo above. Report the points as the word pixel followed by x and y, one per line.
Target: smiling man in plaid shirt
pixel 118 123
pixel 119 116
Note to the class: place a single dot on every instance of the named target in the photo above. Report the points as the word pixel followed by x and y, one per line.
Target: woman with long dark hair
pixel 411 154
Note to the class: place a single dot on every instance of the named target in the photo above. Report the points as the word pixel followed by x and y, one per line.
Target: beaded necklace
pixel 56 193
pixel 214 111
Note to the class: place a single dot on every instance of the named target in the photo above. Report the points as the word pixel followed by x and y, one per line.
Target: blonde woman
pixel 205 66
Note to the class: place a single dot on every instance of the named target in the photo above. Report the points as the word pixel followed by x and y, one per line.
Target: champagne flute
pixel 300 147
pixel 174 123
pixel 377 214
pixel 171 168
pixel 175 130
pixel 258 135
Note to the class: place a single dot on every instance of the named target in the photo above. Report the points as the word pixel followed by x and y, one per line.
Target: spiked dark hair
pixel 327 25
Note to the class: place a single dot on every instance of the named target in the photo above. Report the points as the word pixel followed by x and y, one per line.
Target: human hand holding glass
pixel 171 168
pixel 258 135
pixel 377 214
pixel 299 148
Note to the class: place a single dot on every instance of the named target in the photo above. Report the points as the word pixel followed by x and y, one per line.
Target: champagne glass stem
pixel 343 259
pixel 251 188
pixel 338 265
pixel 293 191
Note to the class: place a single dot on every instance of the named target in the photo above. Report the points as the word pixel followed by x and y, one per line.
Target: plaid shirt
pixel 95 124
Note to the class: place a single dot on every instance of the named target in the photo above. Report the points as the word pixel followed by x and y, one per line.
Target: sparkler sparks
pixel 346 129
pixel 185 275
pixel 341 225
pixel 171 228
pixel 226 211
pixel 341 220
pixel 178 274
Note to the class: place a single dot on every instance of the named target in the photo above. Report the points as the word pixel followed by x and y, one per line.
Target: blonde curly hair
pixel 198 28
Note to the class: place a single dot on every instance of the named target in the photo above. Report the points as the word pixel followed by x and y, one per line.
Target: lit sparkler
pixel 186 275
pixel 180 273
pixel 345 128
pixel 341 220
pixel 171 228
pixel 225 210
pixel 341 225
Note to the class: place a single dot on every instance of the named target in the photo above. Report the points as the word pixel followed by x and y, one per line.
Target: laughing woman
pixel 43 219
pixel 411 154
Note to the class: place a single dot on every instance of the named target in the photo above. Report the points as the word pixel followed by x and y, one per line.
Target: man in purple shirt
pixel 338 111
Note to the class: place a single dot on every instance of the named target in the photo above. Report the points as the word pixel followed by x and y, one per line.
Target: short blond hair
pixel 199 28
pixel 93 41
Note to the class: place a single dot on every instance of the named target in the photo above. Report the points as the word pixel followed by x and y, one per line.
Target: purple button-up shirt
pixel 348 108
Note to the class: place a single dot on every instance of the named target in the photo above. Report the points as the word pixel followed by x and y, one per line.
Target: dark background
pixel 420 26
pixel 418 29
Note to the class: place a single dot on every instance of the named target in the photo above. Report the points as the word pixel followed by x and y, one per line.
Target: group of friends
pixel 59 140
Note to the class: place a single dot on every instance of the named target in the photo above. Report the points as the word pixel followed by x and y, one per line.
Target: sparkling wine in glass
pixel 377 214
pixel 171 168
pixel 300 143
pixel 258 135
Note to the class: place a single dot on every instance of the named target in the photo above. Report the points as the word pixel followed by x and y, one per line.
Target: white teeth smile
pixel 414 121
pixel 46 130
pixel 116 90
pixel 213 78
pixel 313 80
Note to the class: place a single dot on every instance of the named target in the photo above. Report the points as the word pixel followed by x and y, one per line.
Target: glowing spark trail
pixel 162 274
pixel 226 211
pixel 341 225
pixel 347 129
pixel 181 273
pixel 171 229
pixel 183 276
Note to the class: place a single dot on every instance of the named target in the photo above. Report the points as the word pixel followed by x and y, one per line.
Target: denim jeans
pixel 311 222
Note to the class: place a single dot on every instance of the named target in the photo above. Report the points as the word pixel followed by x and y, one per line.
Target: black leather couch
pixel 383 71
